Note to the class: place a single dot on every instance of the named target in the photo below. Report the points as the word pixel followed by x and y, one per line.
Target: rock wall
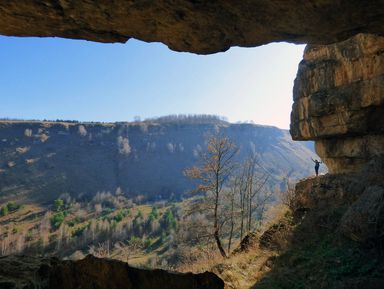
pixel 195 26
pixel 339 101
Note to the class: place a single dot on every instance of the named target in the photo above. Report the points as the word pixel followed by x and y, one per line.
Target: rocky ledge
pixel 359 196
pixel 23 272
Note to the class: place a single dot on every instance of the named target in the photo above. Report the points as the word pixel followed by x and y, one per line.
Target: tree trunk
pixel 250 202
pixel 232 224
pixel 216 221
pixel 219 245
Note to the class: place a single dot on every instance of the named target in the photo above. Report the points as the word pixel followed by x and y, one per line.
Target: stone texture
pixel 364 220
pixel 339 101
pixel 339 89
pixel 351 153
pixel 31 273
pixel 358 197
pixel 328 191
pixel 195 26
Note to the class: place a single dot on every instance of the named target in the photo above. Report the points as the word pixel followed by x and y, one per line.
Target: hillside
pixel 42 160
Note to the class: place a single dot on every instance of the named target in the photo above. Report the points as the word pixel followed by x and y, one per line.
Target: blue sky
pixel 50 78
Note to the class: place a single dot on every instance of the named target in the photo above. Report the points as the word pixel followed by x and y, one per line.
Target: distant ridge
pixel 43 159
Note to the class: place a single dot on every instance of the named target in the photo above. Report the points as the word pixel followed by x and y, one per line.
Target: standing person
pixel 317 165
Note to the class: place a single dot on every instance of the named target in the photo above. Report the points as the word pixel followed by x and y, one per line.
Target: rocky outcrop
pixel 339 101
pixel 364 220
pixel 194 26
pixel 360 196
pixel 340 234
pixel 21 272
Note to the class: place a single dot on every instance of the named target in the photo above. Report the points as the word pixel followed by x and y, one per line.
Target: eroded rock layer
pixel 32 273
pixel 194 26
pixel 338 101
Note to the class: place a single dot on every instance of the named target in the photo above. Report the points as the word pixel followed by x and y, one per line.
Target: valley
pixel 120 190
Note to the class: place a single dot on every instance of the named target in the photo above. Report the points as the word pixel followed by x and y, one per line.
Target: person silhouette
pixel 317 165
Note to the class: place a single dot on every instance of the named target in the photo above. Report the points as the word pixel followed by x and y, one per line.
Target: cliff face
pixel 339 217
pixel 44 160
pixel 194 26
pixel 338 101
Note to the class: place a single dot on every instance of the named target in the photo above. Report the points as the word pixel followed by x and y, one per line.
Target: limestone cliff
pixel 194 26
pixel 336 228
pixel 339 101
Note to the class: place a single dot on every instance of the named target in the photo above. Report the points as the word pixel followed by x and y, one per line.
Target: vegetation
pixel 190 119
pixel 230 190
pixel 218 164
pixel 57 219
pixel 230 201
pixel 43 160
pixel 9 208
pixel 58 205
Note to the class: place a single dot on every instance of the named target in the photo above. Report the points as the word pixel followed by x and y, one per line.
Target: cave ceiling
pixel 196 26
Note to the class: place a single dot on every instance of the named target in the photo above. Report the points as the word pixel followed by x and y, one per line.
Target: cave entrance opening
pixel 53 78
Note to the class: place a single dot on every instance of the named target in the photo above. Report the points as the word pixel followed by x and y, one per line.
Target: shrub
pixel 121 215
pixel 59 205
pixel 154 214
pixel 57 219
pixel 78 232
pixel 12 206
pixel 4 210
pixel 169 220
pixel 147 243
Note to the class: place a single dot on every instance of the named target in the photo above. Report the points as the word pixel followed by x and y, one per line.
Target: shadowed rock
pixel 91 272
pixel 194 26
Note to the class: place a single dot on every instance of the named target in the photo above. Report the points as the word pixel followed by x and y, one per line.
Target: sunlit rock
pixel 338 101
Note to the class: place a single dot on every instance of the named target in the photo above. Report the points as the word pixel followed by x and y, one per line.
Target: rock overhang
pixel 338 91
pixel 196 26
pixel 339 101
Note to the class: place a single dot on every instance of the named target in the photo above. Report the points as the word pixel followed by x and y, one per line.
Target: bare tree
pixel 256 178
pixel 241 189
pixel 231 199
pixel 218 162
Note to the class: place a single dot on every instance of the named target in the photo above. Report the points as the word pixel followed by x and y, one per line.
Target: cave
pixel 338 93
pixel 339 89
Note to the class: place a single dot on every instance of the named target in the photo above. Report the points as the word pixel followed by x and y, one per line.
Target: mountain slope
pixel 42 160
